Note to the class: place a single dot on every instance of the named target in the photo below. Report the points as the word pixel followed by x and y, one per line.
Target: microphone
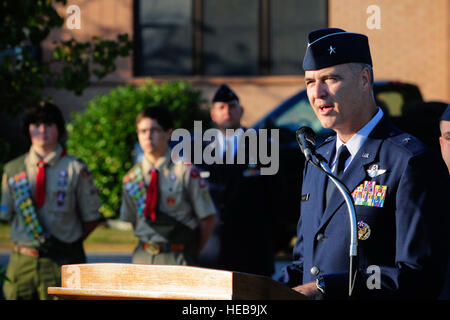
pixel 306 139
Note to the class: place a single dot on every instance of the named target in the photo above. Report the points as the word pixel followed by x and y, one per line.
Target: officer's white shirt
pixel 357 140
pixel 229 143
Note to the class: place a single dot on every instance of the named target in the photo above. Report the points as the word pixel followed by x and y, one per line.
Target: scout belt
pixel 26 251
pixel 161 247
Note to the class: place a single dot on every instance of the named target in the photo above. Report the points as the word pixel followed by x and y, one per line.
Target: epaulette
pixel 408 142
pixel 131 173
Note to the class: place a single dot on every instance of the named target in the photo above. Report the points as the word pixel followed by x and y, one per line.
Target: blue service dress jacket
pixel 242 238
pixel 406 229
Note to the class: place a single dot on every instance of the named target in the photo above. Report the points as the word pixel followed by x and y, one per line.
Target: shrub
pixel 104 134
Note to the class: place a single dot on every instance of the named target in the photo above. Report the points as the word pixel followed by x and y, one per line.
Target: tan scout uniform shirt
pixel 62 219
pixel 182 194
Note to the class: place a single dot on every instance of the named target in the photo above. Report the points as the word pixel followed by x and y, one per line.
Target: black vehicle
pixel 395 98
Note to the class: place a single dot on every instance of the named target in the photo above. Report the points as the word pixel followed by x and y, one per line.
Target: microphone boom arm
pixel 351 213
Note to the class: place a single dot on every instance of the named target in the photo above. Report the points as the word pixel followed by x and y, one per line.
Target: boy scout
pixel 399 188
pixel 51 201
pixel 167 203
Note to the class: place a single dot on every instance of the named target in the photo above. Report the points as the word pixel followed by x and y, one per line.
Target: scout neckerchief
pixel 39 190
pixel 24 204
pixel 152 196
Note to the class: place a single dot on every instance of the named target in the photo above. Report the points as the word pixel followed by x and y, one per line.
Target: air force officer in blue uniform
pixel 399 187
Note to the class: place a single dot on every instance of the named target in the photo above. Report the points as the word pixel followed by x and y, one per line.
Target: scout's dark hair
pixel 47 113
pixel 160 114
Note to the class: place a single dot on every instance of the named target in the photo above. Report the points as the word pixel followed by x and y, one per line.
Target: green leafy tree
pixel 25 24
pixel 104 135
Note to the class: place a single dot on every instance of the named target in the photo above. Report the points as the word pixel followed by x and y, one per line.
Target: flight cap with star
pixel 224 94
pixel 332 46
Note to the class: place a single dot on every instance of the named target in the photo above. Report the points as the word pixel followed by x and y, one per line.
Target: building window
pixel 217 37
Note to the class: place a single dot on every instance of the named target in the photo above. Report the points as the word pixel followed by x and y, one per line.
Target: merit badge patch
pixel 363 230
pixel 195 173
pixel 60 197
pixel 170 201
pixel 369 194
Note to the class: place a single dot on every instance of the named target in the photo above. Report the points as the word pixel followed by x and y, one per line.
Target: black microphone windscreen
pixel 308 134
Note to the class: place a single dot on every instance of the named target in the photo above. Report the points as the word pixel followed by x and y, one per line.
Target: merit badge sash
pixel 369 194
pixel 135 186
pixel 24 205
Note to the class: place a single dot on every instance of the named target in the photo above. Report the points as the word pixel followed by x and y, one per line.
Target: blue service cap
pixel 446 115
pixel 332 46
pixel 224 94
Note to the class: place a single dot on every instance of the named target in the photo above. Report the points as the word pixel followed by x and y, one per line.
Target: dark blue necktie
pixel 338 171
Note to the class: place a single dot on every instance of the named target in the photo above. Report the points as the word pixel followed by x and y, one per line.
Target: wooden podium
pixel 111 281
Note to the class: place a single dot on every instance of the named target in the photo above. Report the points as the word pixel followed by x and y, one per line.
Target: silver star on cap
pixel 331 50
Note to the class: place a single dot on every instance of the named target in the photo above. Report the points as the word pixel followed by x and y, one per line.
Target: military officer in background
pixel 50 199
pixel 167 203
pixel 243 238
pixel 399 186
pixel 444 139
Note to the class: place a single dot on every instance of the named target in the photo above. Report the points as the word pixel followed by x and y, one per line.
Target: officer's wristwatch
pixel 320 284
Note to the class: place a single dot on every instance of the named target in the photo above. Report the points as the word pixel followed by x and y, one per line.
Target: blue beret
pixel 224 94
pixel 446 115
pixel 333 46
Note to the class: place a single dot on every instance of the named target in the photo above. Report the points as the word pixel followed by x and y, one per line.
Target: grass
pixel 102 238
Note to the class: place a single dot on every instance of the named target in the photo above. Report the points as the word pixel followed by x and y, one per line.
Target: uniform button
pixel 315 271
pixel 320 237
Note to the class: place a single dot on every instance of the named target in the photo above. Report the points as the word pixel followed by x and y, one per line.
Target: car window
pixel 392 101
pixel 298 115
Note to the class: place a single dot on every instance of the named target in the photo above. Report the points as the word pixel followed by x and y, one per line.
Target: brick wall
pixel 105 18
pixel 412 45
